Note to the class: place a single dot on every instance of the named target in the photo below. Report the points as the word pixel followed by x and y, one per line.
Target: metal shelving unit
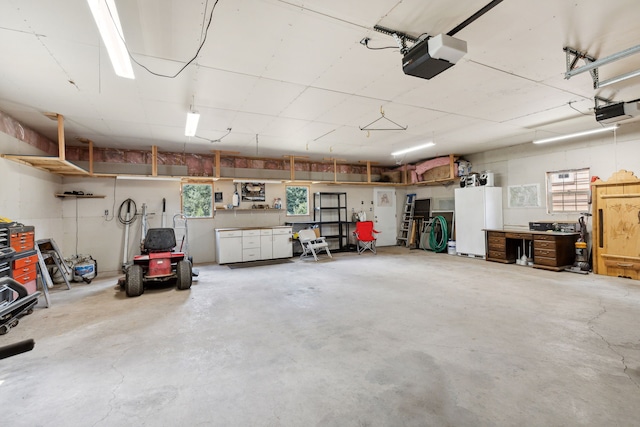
pixel 330 214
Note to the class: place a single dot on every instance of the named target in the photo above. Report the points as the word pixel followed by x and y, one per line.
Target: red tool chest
pixel 25 260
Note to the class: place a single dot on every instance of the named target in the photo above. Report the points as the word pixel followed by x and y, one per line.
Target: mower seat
pixel 160 240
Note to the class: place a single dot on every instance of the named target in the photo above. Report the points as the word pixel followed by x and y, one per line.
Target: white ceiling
pixel 292 78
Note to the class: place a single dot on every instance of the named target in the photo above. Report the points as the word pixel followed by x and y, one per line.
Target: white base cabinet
pixel 228 246
pixel 266 243
pixel 252 244
pixel 282 245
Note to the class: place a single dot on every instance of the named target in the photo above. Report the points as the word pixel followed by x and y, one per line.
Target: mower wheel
pixel 133 282
pixel 184 275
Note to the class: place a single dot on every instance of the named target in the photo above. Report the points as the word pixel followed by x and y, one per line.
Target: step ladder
pixel 49 253
pixel 406 223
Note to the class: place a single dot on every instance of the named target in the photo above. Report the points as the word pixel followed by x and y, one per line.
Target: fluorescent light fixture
pixel 576 135
pixel 416 148
pixel 619 78
pixel 106 17
pixel 192 123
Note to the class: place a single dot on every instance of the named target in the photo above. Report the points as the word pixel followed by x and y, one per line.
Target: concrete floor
pixel 402 338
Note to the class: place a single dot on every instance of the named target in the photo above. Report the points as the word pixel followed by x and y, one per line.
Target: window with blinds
pixel 568 191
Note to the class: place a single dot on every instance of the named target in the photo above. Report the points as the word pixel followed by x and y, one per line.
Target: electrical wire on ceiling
pixel 189 62
pixel 215 140
pixel 574 108
pixel 401 38
pixel 365 43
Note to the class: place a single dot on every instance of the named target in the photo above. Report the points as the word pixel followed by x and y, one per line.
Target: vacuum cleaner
pixel 581 264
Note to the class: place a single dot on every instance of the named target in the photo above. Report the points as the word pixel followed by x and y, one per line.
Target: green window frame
pixel 297 200
pixel 197 200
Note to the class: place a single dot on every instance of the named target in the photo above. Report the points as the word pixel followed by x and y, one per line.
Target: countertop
pixel 524 231
pixel 253 228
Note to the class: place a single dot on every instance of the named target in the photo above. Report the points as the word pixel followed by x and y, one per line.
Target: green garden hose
pixel 438 245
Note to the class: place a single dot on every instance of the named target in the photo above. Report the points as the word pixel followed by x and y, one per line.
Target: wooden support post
pixel 451 170
pixel 154 160
pixel 217 163
pixel 292 164
pixel 61 143
pixel 90 157
pixel 368 163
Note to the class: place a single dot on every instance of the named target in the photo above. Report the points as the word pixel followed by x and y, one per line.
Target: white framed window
pixel 568 190
pixel 197 200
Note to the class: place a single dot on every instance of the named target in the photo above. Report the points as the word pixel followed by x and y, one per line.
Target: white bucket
pixel 451 247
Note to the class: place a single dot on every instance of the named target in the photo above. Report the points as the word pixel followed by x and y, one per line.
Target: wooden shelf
pixel 50 164
pixel 81 196
pixel 62 167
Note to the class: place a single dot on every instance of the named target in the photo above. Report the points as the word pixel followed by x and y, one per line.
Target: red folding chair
pixel 365 235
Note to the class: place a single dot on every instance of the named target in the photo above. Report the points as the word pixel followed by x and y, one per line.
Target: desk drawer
pixel 495 234
pixel 548 253
pixel 497 239
pixel 544 237
pixel 544 244
pixel 497 246
pixel 525 236
pixel 496 254
pixel 542 260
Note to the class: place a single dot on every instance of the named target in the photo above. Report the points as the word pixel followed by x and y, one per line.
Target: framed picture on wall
pixel 524 196
pixel 253 192
pixel 218 197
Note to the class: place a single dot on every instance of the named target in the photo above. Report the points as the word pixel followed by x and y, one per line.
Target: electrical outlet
pixel 106 212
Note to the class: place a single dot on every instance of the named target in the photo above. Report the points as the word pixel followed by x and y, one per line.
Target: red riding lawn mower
pixel 158 264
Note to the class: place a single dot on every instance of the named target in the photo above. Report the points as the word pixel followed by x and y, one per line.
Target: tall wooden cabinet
pixel 616 225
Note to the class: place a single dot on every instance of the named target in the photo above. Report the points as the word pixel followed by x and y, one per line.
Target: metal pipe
pixel 125 254
pixel 603 61
pixel 475 16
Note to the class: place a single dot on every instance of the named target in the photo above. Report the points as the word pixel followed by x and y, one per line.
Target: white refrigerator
pixel 476 208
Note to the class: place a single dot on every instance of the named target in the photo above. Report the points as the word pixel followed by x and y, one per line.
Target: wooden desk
pixel 551 250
